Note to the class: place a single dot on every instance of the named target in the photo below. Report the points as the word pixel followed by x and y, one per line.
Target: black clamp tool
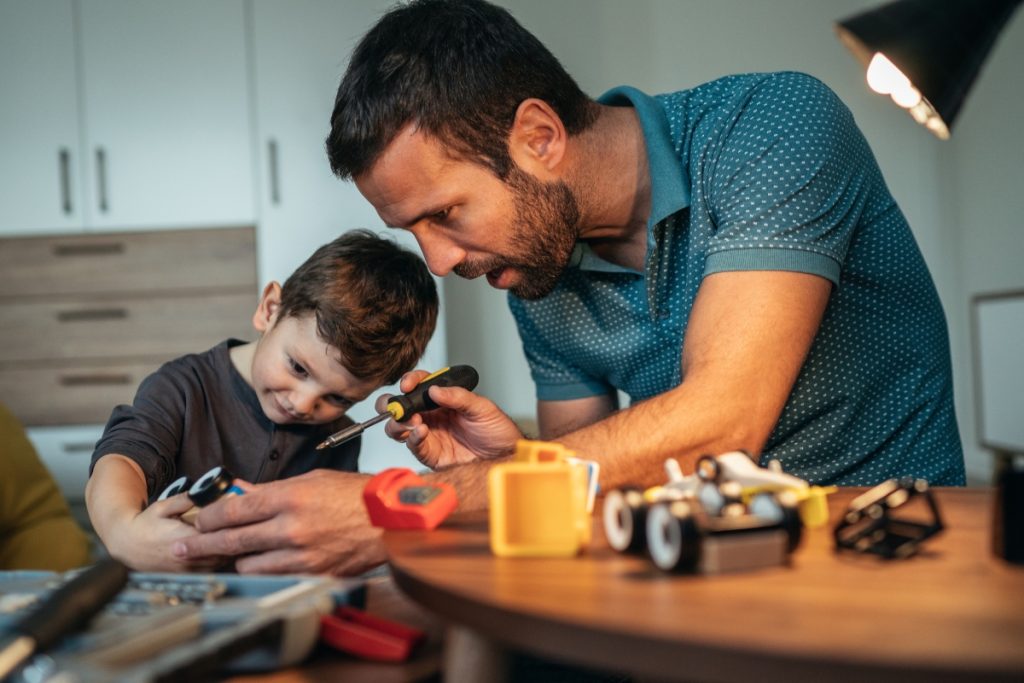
pixel 870 524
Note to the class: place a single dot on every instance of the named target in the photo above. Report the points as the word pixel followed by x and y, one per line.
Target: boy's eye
pixel 296 368
pixel 338 401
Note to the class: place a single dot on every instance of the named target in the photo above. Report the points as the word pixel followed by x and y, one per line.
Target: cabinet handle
pixel 101 178
pixel 275 181
pixel 92 314
pixel 73 447
pixel 97 379
pixel 65 180
pixel 94 249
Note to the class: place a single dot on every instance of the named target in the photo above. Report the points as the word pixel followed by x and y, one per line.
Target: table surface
pixel 951 612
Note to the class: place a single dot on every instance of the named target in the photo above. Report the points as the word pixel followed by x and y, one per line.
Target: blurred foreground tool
pixel 66 610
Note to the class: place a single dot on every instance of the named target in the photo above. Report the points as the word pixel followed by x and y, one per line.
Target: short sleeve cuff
pixel 153 467
pixel 568 392
pixel 795 260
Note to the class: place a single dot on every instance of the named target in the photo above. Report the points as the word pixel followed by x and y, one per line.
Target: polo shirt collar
pixel 670 186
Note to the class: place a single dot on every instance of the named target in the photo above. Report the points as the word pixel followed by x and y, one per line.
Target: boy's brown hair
pixel 374 301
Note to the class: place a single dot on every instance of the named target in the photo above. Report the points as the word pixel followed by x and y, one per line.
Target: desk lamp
pixel 926 54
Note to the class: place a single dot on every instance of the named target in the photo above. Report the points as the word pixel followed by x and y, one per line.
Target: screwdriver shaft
pixel 351 432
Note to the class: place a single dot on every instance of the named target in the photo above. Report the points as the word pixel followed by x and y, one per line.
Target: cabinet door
pixel 40 190
pixel 301 49
pixel 167 115
pixel 66 452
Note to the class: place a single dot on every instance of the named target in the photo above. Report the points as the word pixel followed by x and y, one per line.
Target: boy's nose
pixel 303 404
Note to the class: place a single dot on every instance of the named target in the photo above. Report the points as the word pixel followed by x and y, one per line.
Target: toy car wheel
pixel 711 498
pixel 708 468
pixel 177 486
pixel 791 520
pixel 673 541
pixel 625 518
pixel 767 507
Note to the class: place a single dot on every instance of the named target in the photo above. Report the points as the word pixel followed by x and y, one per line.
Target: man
pixel 728 256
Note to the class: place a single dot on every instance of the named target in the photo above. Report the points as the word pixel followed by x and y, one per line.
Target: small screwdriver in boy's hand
pixel 416 401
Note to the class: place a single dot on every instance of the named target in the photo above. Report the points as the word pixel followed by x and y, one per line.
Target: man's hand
pixel 312 523
pixel 145 539
pixel 467 427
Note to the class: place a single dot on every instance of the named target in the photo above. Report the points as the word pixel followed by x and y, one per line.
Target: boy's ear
pixel 537 141
pixel 266 311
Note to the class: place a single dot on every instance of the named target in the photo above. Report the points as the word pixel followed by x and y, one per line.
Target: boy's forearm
pixel 115 494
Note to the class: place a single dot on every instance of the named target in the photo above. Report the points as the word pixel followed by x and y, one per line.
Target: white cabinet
pixel 300 50
pixel 66 452
pixel 40 182
pixel 123 114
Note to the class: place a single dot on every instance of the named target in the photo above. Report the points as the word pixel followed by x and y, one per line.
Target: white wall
pixel 961 199
pixel 985 204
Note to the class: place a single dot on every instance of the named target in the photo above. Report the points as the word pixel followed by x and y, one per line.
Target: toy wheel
pixel 177 486
pixel 708 468
pixel 711 499
pixel 625 516
pixel 791 520
pixel 767 507
pixel 673 541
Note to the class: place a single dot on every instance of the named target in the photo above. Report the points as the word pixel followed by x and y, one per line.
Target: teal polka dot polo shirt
pixel 767 172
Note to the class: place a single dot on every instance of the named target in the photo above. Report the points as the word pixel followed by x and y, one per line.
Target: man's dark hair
pixel 375 302
pixel 458 69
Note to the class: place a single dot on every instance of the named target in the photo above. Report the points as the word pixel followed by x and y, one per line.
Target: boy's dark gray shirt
pixel 197 412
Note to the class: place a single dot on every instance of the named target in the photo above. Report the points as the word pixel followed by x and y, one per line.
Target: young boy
pixel 355 316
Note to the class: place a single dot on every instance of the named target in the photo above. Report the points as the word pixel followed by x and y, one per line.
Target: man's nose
pixel 441 254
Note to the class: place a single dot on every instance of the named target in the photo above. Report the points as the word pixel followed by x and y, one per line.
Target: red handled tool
pixel 354 631
pixel 397 498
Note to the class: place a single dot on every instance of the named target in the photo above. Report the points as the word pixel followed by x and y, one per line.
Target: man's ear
pixel 537 142
pixel 266 311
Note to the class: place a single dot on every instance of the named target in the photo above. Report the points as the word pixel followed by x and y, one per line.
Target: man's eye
pixel 442 215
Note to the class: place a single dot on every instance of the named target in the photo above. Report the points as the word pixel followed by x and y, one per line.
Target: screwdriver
pixel 67 609
pixel 405 406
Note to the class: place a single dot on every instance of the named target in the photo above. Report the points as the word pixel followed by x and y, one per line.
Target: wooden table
pixel 952 612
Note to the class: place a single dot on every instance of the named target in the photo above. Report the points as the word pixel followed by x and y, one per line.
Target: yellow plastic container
pixel 538 503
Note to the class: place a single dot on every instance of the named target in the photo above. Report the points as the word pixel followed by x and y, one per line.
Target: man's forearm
pixel 470 482
pixel 632 444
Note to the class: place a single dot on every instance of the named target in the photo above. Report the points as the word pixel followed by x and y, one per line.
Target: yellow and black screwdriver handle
pixel 418 400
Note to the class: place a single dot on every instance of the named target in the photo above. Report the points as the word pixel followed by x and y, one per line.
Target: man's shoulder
pixel 727 92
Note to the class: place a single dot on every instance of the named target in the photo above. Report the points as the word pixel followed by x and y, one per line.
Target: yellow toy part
pixel 538 502
pixel 813 501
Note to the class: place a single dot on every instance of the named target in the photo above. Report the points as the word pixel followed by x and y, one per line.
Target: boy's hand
pixel 467 427
pixel 312 523
pixel 144 540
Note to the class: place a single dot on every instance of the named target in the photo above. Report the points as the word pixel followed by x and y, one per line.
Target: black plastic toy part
pixel 625 520
pixel 679 532
pixel 210 486
pixel 179 485
pixel 870 526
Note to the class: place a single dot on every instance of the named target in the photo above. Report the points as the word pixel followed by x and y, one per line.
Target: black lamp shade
pixel 939 45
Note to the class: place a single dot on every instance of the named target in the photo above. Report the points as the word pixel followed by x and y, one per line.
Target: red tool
pixel 397 498
pixel 354 631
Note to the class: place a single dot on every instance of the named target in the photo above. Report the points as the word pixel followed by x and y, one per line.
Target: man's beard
pixel 542 239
